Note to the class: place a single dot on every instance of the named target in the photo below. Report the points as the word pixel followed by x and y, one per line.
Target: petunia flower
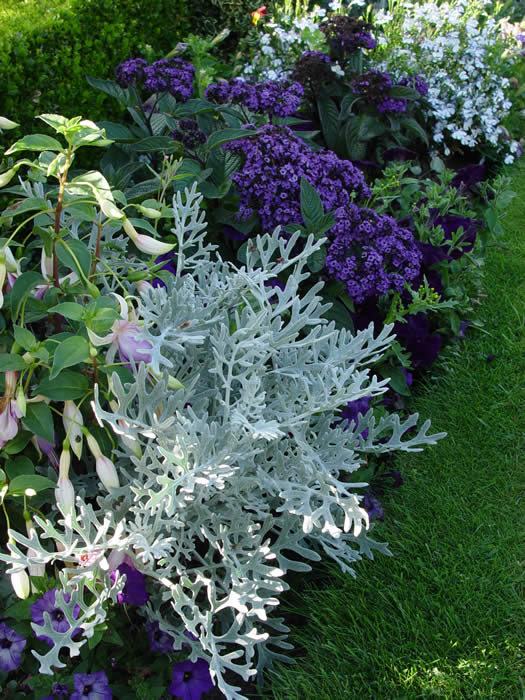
pixel 190 680
pixel 91 686
pixel 158 640
pixel 134 592
pixel 124 337
pixel 47 603
pixel 11 648
pixel 374 507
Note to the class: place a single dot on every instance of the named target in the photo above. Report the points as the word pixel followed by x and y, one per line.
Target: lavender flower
pixel 91 686
pixel 158 640
pixel 190 680
pixel 370 253
pixel 269 182
pixel 57 617
pixel 11 648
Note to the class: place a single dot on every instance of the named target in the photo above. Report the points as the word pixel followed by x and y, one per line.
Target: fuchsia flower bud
pixel 73 424
pixel 9 410
pixel 21 584
pixel 105 468
pixel 145 243
pixel 65 493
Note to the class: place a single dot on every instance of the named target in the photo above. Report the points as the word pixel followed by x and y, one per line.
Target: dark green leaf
pixel 370 127
pixel 79 250
pixel 22 287
pixel 312 209
pixel 11 363
pixel 217 138
pixel 29 481
pixel 39 420
pixel 154 143
pixel 67 385
pixel 18 443
pixel 413 126
pixel 29 204
pixel 315 261
pixel 125 96
pixel 355 147
pixel 404 92
pixel 398 381
pixel 116 132
pixel 69 353
pixel 69 309
pixel 143 189
pixel 329 116
pixel 19 466
pixel 25 338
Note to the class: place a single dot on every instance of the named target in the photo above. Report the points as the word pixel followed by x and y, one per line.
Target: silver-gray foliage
pixel 242 475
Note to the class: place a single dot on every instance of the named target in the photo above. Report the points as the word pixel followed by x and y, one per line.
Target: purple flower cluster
pixel 374 87
pixel 312 67
pixel 417 82
pixel 279 98
pixel 173 75
pixel 347 34
pixel 370 253
pixel 269 182
pixel 189 134
pixel 130 72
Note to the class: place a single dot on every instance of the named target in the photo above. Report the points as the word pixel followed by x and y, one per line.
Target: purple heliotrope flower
pixel 47 603
pixel 134 592
pixel 279 98
pixel 190 680
pixel 91 686
pixel 346 34
pixel 158 640
pixel 417 82
pixel 11 648
pixel 374 87
pixel 370 253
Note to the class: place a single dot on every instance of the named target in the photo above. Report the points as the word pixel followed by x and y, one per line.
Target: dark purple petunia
pixel 11 648
pixel 158 640
pixel 463 325
pixel 408 376
pixel 47 603
pixel 134 592
pixel 374 507
pixel 58 691
pixel 416 337
pixel 451 223
pixel 234 234
pixel 91 686
pixel 465 178
pixel 169 265
pixel 394 477
pixel 351 413
pixel 190 680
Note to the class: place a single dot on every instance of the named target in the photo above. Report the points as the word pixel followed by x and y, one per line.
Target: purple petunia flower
pixel 374 507
pixel 158 640
pixel 468 176
pixel 134 591
pixel 11 648
pixel 58 691
pixel 91 686
pixel 416 337
pixel 351 413
pixel 190 680
pixel 47 603
pixel 451 223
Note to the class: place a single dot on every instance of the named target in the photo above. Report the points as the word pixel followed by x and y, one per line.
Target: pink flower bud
pixel 107 473
pixel 65 496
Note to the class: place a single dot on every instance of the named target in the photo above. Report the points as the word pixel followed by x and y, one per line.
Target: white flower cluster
pixel 284 40
pixel 459 53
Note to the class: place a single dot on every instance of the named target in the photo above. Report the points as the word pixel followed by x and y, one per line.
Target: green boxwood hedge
pixel 47 47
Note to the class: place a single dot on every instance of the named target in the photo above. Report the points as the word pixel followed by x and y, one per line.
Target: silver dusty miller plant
pixel 240 476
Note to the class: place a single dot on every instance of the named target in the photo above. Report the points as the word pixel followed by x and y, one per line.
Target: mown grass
pixel 444 617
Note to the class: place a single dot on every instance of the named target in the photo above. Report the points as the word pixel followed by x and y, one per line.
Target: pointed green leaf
pixel 29 481
pixel 125 96
pixel 22 287
pixel 39 420
pixel 11 363
pixel 70 352
pixel 69 309
pixel 81 254
pixel 217 138
pixel 312 209
pixel 35 142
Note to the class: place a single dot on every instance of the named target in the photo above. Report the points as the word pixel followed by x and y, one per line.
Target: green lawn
pixel 445 617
